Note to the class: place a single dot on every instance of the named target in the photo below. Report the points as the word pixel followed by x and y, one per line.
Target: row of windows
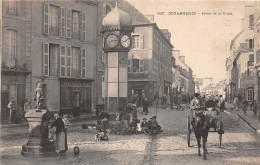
pixel 65 59
pixel 63 22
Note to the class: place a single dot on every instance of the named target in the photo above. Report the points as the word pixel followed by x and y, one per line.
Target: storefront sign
pixel 247 82
pixel 138 76
pixel 75 84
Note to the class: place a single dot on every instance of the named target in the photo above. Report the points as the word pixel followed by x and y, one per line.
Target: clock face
pixel 112 40
pixel 125 41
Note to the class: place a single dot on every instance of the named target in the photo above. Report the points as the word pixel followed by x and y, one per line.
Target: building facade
pixel 149 61
pixel 242 58
pixel 16 62
pixel 58 44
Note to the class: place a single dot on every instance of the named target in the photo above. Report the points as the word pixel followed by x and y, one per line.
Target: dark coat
pixel 59 124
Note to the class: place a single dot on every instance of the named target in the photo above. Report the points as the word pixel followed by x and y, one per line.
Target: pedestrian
pixel 66 122
pixel 156 100
pixel 134 111
pixel 165 101
pixel 235 102
pixel 137 99
pixel 128 112
pixel 195 104
pixel 179 101
pixel 145 106
pixel 143 98
pixel 14 116
pixel 245 105
pixel 60 141
pixel 221 103
pixel 254 107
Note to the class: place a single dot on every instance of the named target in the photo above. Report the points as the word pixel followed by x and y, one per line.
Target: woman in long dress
pixel 60 140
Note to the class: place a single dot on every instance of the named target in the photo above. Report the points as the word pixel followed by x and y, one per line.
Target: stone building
pixel 242 59
pixel 57 43
pixel 257 52
pixel 16 62
pixel 228 82
pixel 149 61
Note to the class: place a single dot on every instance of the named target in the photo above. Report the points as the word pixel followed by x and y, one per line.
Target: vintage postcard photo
pixel 140 82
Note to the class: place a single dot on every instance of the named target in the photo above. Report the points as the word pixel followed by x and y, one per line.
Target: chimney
pixel 150 17
pixel 182 58
pixel 176 53
pixel 249 16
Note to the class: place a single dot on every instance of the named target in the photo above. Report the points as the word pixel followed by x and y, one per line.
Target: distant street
pixel 170 147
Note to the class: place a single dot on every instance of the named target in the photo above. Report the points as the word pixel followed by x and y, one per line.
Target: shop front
pixel 13 85
pixel 75 96
pixel 246 90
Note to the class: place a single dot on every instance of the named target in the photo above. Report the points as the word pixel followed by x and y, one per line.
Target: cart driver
pixel 195 103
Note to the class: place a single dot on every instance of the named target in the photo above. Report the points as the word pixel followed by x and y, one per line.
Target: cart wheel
pixel 188 130
pixel 221 132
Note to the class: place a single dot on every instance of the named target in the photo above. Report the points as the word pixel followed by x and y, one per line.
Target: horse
pixel 201 125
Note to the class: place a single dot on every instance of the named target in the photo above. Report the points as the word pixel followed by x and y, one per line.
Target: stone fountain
pixel 38 143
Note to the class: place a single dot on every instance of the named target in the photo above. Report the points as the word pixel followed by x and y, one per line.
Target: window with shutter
pixel 53 20
pixel 129 65
pixel 68 54
pixel 75 24
pixel 141 40
pixel 46 19
pixel 68 23
pixel 62 61
pixel 62 22
pixel 46 63
pixel 136 42
pixel 83 63
pixel 83 17
pixel 141 65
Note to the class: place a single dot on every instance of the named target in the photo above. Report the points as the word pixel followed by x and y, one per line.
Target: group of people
pixel 207 101
pixel 245 104
pixel 149 127
pixel 16 114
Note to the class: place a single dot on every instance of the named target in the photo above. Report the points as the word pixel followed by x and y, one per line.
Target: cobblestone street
pixel 170 147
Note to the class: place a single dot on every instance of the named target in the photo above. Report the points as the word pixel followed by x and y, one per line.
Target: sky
pixel 204 40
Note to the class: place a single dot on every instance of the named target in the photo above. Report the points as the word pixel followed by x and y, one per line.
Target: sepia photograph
pixel 120 82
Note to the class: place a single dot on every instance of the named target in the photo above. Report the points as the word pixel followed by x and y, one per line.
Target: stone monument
pixel 38 143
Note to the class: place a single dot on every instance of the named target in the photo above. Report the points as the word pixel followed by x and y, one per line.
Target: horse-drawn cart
pixel 215 123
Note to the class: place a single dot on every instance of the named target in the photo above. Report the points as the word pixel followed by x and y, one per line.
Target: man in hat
pixel 156 128
pixel 195 103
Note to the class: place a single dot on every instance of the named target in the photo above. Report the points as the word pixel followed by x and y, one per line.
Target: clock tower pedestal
pixel 116 81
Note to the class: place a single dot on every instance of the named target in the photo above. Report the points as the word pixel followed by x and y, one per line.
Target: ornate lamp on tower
pixel 117 28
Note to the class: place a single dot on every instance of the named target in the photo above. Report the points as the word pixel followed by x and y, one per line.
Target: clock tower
pixel 117 28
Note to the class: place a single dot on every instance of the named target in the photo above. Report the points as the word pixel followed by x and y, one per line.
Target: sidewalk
pixel 250 119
